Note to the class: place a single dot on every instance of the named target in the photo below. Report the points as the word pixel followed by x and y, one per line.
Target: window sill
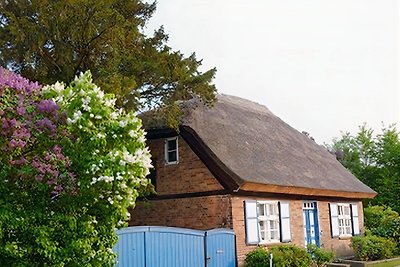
pixel 271 243
pixel 171 163
pixel 345 237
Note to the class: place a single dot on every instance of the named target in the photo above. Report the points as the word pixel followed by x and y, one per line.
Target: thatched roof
pixel 256 146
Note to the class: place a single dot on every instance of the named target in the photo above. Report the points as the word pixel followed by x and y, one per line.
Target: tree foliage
pixel 375 160
pixel 49 41
pixel 71 165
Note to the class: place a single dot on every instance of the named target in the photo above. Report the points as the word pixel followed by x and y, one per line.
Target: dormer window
pixel 171 150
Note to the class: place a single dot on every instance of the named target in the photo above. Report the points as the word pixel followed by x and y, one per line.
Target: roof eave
pixel 305 191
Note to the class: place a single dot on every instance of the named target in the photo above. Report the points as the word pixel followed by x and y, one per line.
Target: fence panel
pixel 221 248
pixel 130 247
pixel 172 247
pixel 152 246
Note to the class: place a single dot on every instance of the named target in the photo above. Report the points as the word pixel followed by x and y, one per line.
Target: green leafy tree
pixel 375 160
pixel 49 41
pixel 71 164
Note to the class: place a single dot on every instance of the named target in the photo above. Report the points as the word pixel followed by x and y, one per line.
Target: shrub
pixel 320 256
pixel 372 247
pixel 257 258
pixel 290 256
pixel 283 256
pixel 384 222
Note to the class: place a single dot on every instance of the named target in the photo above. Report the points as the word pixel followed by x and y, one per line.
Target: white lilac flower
pixel 109 102
pixel 101 135
pixel 132 133
pixel 129 157
pixel 114 115
pixel 76 116
pixel 46 88
pixel 58 87
pixel 105 178
pixel 142 139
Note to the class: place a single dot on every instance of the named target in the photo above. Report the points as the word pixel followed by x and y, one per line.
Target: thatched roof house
pixel 237 165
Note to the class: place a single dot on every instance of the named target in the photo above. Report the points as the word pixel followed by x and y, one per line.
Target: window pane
pixel 348 230
pixel 340 210
pixel 347 210
pixel 273 225
pixel 172 156
pixel 263 230
pixel 261 211
pixel 275 235
pixel 262 225
pixel 172 144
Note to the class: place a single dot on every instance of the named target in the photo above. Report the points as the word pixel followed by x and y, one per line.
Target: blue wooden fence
pixel 152 246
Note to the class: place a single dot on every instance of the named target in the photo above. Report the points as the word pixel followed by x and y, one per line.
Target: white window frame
pixel 167 160
pixel 344 220
pixel 267 219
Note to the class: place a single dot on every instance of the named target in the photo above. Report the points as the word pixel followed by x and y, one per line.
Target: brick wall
pixel 197 212
pixel 188 176
pixel 340 246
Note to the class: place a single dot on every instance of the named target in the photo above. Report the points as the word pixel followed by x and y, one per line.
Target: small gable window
pixel 267 222
pixel 344 219
pixel 171 150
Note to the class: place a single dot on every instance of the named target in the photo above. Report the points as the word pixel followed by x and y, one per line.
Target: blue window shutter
pixel 354 219
pixel 251 222
pixel 284 213
pixel 333 209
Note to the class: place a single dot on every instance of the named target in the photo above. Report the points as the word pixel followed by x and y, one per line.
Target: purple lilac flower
pixel 9 79
pixel 47 106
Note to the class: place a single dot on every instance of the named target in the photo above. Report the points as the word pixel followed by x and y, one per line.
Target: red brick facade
pixel 191 176
pixel 201 213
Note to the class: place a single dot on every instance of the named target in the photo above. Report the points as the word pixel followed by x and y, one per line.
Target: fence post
pixel 270 259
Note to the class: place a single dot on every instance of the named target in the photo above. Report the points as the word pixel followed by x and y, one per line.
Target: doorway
pixel 310 222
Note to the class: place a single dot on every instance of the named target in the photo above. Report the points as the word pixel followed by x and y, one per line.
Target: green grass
pixel 387 264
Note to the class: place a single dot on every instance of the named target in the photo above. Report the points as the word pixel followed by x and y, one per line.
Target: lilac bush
pixel 31 130
pixel 71 165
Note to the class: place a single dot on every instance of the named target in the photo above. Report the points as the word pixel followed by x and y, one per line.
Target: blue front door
pixel 310 220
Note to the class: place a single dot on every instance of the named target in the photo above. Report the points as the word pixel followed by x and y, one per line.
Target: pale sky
pixel 322 66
